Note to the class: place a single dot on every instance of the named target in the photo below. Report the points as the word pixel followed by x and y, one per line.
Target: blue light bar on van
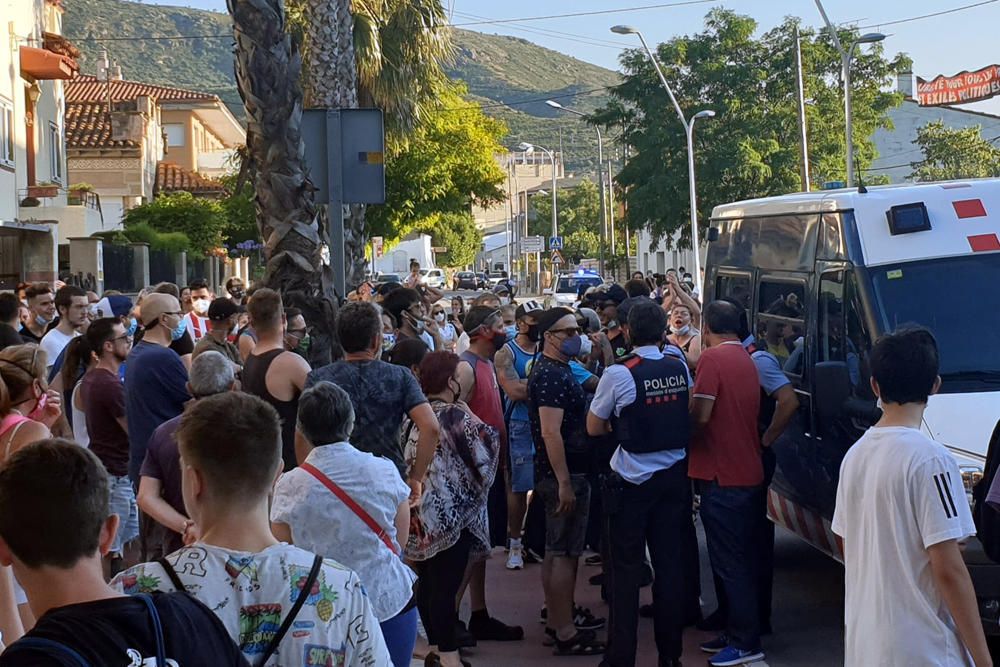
pixel 908 218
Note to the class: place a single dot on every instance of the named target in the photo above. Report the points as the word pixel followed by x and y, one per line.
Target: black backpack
pixel 986 516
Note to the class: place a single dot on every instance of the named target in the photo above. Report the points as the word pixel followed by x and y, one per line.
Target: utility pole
pixel 803 130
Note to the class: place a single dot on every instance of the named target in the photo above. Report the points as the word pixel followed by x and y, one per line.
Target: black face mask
pixel 533 334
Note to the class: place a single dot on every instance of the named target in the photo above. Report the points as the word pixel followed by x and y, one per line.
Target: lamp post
pixel 600 175
pixel 846 56
pixel 529 148
pixel 689 131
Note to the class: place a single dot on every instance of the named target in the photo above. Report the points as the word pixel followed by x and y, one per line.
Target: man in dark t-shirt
pixel 557 409
pixel 382 394
pixel 103 400
pixel 57 556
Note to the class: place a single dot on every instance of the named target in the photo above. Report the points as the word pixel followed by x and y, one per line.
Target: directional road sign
pixel 531 244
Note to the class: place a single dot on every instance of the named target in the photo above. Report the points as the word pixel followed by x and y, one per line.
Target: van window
pixel 781 322
pixel 831 238
pixel 736 286
pixel 842 334
pixel 779 242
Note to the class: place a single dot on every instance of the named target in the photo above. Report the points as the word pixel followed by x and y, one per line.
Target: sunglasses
pixel 569 331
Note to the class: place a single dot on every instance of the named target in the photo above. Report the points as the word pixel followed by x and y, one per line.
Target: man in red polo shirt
pixel 725 458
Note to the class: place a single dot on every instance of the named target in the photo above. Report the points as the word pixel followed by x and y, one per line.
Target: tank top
pixel 485 398
pixel 522 366
pixel 80 434
pixel 255 382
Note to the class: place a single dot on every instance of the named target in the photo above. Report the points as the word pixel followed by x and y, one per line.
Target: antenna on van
pixel 862 190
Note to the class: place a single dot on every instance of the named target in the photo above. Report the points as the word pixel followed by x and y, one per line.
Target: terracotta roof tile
pixel 173 178
pixel 88 88
pixel 88 126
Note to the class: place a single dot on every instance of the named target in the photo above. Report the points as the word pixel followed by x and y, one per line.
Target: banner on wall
pixel 962 88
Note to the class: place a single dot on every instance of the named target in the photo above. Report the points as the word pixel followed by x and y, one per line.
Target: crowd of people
pixel 199 492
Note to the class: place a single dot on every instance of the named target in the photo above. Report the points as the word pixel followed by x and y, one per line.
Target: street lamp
pixel 845 62
pixel 529 148
pixel 600 175
pixel 689 131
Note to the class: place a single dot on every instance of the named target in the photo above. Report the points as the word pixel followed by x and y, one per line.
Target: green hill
pixel 498 70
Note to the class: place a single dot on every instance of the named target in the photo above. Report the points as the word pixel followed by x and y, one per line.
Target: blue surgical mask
pixel 571 346
pixel 178 332
pixel 41 321
pixel 132 326
pixel 511 331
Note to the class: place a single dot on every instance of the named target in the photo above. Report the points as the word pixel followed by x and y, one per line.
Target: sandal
pixel 584 642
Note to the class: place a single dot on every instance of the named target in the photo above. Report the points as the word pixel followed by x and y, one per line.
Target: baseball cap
pixel 112 306
pixel 156 304
pixel 222 309
pixel 617 293
pixel 527 307
pixel 501 289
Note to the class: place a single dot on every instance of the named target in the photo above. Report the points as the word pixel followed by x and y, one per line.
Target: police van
pixel 822 275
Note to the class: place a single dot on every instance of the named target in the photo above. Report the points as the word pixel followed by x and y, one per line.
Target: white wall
pixel 659 258
pixel 397 258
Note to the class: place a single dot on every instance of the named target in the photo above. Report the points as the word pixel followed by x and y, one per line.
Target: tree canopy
pixel 445 165
pixel 578 213
pixel 954 153
pixel 455 231
pixel 751 147
pixel 202 221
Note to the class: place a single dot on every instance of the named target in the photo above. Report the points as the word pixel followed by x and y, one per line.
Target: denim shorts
pixel 522 457
pixel 123 504
pixel 565 534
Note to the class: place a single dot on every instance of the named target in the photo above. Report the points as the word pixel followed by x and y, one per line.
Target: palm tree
pixel 268 66
pixel 382 53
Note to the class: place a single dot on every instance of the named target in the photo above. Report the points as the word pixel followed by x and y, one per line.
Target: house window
pixel 6 133
pixel 55 153
pixel 175 134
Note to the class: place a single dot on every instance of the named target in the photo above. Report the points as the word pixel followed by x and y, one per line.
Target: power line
pixel 558 34
pixel 618 10
pixel 151 38
pixel 928 16
pixel 495 105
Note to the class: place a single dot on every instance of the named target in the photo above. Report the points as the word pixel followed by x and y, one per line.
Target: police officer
pixel 643 401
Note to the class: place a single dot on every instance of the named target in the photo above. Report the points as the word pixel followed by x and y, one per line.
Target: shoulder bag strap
pixel 171 574
pixel 353 506
pixel 296 608
pixel 161 652
pixel 47 646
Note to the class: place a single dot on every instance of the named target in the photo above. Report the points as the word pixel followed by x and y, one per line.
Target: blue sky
pixel 940 45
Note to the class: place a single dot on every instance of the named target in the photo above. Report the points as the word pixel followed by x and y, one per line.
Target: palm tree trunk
pixel 333 84
pixel 268 67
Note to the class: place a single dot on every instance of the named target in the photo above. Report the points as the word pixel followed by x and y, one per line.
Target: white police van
pixel 822 275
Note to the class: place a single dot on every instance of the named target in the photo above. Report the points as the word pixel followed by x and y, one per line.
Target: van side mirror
pixel 713 234
pixel 831 389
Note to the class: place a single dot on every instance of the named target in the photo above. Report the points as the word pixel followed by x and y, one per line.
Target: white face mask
pixel 201 306
pixel 586 346
pixel 682 331
pixel 439 317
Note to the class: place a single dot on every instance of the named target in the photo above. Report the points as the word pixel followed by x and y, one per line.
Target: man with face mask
pixel 196 321
pixel 557 408
pixel 297 337
pixel 156 378
pixel 407 308
pixel 236 290
pixel 221 320
pixel 513 363
pixel 479 389
pixel 42 305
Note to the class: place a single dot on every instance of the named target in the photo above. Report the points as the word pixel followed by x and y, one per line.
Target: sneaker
pixel 583 619
pixel 515 558
pixel 593 561
pixel 531 556
pixel 731 656
pixel 716 645
pixel 491 629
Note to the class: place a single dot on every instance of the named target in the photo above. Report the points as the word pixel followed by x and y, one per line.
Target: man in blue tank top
pixel 643 402
pixel 513 363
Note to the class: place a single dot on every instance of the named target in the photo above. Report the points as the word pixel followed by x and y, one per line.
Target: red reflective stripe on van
pixel 969 208
pixel 984 242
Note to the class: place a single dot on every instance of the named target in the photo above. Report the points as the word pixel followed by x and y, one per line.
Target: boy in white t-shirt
pixel 902 511
pixel 284 606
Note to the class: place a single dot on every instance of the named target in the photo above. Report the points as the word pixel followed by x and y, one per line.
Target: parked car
pixel 433 278
pixel 465 280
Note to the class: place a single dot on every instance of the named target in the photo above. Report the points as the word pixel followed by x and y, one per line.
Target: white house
pixel 33 179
